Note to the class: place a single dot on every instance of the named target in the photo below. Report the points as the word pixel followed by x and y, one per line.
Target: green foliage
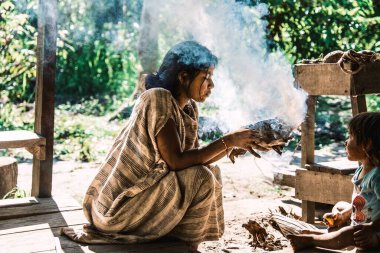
pixel 308 28
pixel 15 193
pixel 373 102
pixel 15 117
pixel 73 137
pixel 91 106
pixel 332 116
pixel 95 68
pixel 17 56
pixel 97 54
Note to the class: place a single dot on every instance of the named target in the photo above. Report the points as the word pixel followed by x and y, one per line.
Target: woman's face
pixel 354 151
pixel 201 86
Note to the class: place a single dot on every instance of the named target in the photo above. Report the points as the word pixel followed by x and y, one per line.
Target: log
pixel 8 175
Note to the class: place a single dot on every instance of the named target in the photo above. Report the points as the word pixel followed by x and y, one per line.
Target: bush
pixel 17 57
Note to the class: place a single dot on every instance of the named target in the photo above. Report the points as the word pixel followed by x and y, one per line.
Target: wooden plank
pixel 367 80
pixel 45 89
pixel 308 211
pixel 284 177
pixel 156 247
pixel 20 139
pixel 307 129
pixel 343 167
pixel 358 104
pixel 285 250
pixel 31 242
pixel 18 202
pixel 43 221
pixel 44 205
pixel 322 79
pixel 323 187
pixel 329 79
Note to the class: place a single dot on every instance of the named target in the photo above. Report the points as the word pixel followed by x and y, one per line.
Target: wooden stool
pixel 8 175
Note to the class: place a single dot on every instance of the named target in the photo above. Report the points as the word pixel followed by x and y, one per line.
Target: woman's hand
pixel 235 152
pixel 247 139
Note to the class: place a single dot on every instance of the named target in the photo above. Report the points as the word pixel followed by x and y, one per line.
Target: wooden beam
pixel 329 79
pixel 20 139
pixel 307 129
pixel 343 167
pixel 15 208
pixel 323 187
pixel 367 80
pixel 358 104
pixel 308 211
pixel 322 79
pixel 45 90
pixel 32 142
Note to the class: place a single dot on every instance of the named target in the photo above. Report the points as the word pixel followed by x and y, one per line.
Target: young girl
pixel 363 146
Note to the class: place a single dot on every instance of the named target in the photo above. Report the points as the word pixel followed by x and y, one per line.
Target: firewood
pixel 274 132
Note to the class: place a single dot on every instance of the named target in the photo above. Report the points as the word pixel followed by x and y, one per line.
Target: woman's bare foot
pixel 192 247
pixel 299 242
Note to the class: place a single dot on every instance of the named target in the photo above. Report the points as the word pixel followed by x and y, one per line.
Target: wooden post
pixel 307 155
pixel 307 129
pixel 8 175
pixel 358 104
pixel 45 89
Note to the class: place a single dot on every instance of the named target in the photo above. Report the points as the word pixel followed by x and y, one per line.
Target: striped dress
pixel 136 198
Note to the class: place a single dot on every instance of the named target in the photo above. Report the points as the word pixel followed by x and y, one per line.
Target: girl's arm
pixel 168 142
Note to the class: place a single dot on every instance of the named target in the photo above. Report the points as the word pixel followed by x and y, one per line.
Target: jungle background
pixel 96 77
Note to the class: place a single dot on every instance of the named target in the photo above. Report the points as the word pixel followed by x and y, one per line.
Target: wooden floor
pixel 33 225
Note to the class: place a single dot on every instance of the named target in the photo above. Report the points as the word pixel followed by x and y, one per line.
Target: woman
pixel 156 180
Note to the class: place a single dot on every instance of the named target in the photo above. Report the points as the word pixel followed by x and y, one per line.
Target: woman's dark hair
pixel 365 128
pixel 188 56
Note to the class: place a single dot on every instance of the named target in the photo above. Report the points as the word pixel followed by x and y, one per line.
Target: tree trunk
pixel 148 55
pixel 8 175
pixel 148 45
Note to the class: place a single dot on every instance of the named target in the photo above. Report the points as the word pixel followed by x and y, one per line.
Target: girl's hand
pixel 247 139
pixel 335 219
pixel 365 236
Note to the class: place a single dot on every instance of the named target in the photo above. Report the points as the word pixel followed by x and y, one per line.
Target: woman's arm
pixel 218 156
pixel 168 142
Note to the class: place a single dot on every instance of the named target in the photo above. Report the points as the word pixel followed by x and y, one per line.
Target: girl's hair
pixel 365 128
pixel 188 56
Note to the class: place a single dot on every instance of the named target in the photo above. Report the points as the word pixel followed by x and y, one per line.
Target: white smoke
pixel 251 84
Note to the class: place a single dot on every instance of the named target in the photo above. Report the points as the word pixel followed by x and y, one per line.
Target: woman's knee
pixel 206 175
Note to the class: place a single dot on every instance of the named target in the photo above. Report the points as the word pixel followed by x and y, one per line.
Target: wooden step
pixel 285 176
pixel 322 187
pixel 31 141
pixel 342 167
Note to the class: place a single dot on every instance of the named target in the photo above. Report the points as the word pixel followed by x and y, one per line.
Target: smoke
pixel 251 84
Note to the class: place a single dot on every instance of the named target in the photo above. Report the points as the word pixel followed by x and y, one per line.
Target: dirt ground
pixel 248 191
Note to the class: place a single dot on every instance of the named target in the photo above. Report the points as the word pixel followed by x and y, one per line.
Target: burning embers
pixel 274 132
